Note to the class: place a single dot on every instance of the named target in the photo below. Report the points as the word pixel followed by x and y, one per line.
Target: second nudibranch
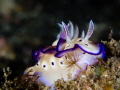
pixel 69 39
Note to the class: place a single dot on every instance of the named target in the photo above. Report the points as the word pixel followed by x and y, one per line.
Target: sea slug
pixel 69 54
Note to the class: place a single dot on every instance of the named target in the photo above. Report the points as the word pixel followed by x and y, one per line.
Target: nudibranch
pixel 69 39
pixel 68 54
pixel 51 68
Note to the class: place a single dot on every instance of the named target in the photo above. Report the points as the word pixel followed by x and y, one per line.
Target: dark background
pixel 28 24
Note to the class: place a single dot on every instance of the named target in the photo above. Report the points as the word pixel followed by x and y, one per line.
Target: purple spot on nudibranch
pixel 37 64
pixel 84 53
pixel 80 40
pixel 65 57
pixel 44 66
pixel 61 62
pixel 86 44
pixel 52 63
pixel 68 45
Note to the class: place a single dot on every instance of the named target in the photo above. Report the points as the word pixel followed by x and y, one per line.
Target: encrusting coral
pixel 105 75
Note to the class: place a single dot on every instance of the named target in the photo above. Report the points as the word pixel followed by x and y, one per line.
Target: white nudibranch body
pixel 51 68
pixel 68 54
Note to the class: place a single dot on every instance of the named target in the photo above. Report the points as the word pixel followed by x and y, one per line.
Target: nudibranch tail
pixel 90 30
